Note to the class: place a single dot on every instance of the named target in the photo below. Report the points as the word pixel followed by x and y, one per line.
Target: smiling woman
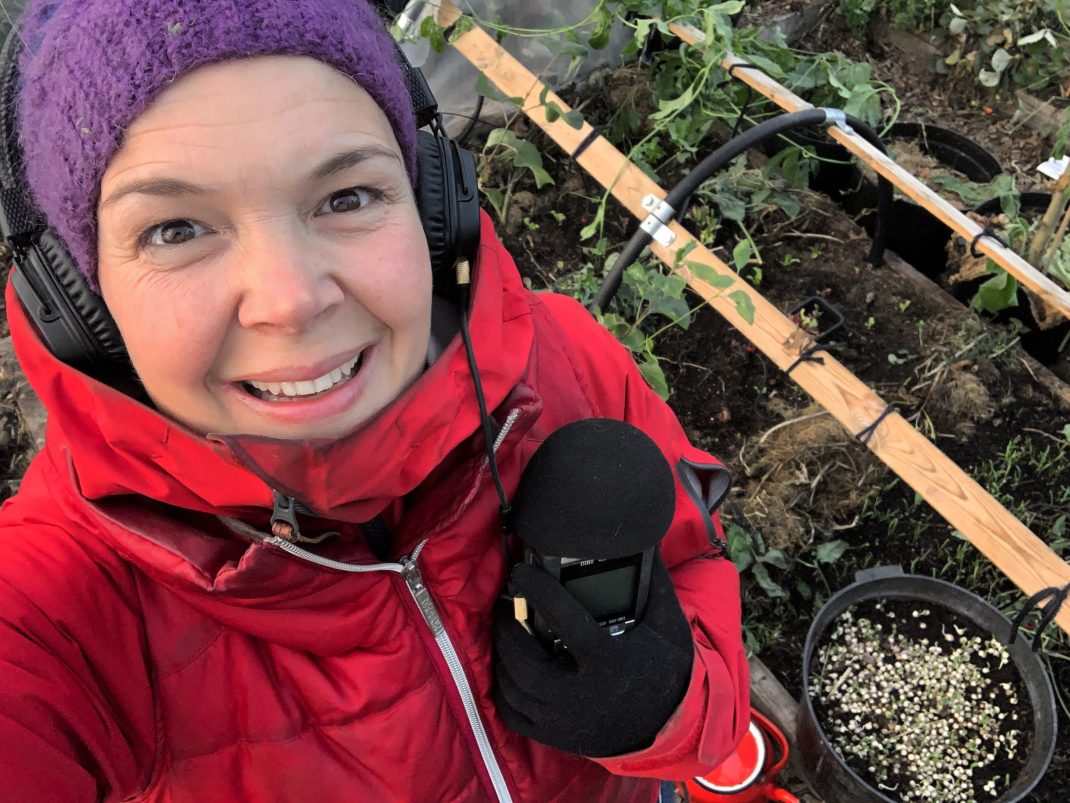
pixel 261 556
pixel 307 273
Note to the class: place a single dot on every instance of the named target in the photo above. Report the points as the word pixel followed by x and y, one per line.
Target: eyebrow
pixel 177 188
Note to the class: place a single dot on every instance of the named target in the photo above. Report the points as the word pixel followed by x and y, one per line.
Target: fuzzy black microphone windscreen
pixel 595 488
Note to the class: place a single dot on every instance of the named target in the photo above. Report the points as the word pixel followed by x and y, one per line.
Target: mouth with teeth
pixel 310 389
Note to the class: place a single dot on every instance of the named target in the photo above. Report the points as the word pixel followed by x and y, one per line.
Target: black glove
pixel 609 694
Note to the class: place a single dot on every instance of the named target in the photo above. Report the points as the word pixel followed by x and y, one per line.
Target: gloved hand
pixel 609 694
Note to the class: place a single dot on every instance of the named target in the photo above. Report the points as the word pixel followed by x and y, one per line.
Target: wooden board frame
pixel 1054 297
pixel 1023 557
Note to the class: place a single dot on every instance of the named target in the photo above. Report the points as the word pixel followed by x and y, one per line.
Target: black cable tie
pixel 807 355
pixel 744 64
pixel 1047 612
pixel 867 434
pixel 743 109
pixel 592 135
pixel 985 232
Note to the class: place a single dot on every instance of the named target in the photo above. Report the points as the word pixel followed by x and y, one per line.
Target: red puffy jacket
pixel 154 647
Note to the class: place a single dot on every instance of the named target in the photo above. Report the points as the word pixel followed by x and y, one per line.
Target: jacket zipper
pixel 409 570
pixel 414 580
pixel 407 567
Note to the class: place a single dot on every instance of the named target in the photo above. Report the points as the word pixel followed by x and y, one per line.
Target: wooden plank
pixel 1009 544
pixel 1038 283
pixel 1041 116
pixel 772 699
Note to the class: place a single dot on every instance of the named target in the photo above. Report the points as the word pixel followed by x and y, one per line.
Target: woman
pixel 270 571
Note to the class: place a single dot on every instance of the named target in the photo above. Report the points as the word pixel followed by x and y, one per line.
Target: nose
pixel 285 285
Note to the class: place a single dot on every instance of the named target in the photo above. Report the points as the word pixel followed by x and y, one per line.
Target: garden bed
pixel 811 506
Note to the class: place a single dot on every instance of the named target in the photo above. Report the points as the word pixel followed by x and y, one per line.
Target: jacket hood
pixel 115 445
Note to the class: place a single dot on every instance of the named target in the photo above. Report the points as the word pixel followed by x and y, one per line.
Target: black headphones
pixel 73 320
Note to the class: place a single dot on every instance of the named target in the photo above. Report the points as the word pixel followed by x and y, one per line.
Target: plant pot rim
pixel 890 582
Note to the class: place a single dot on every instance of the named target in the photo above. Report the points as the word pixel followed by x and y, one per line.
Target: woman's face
pixel 261 252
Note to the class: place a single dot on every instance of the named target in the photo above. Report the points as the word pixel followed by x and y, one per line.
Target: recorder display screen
pixel 606 589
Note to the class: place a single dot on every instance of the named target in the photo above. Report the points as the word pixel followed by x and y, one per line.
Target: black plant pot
pixel 830 778
pixel 914 233
pixel 836 174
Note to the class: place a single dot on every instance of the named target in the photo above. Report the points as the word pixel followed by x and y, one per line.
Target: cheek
pixel 397 290
pixel 171 325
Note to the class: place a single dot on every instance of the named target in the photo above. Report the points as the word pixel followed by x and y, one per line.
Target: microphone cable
pixel 505 510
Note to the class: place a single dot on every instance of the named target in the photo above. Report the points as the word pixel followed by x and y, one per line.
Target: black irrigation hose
pixel 716 161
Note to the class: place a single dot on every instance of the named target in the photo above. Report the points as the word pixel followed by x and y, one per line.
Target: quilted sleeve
pixel 76 712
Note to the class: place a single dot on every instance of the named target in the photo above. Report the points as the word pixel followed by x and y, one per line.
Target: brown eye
pixel 172 232
pixel 347 200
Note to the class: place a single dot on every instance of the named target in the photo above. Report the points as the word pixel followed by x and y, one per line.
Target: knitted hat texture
pixel 90 67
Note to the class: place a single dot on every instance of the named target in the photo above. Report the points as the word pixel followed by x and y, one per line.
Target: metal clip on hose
pixel 655 226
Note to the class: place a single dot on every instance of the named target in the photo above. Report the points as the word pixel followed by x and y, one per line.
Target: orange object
pixel 749 774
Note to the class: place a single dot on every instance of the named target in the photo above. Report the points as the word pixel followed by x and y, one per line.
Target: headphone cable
pixel 505 510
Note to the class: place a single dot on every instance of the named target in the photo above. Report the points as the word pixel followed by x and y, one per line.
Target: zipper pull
pixel 284 518
pixel 410 571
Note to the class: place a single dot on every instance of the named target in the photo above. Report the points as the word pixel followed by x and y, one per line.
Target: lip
pixel 332 402
pixel 305 373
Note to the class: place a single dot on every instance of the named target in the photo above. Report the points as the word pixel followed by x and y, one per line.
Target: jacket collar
pixel 117 446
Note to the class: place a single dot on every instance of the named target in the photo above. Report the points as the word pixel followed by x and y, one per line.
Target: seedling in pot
pixel 920 703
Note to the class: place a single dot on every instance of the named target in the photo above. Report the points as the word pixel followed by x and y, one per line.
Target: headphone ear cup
pixel 431 201
pixel 448 200
pixel 73 320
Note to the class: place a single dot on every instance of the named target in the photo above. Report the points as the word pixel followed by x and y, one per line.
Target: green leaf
pixel 574 119
pixel 744 306
pixel 769 586
pixel 465 24
pixel 654 376
pixel 592 228
pixel 672 308
pixel 496 199
pixel 988 78
pixel 999 292
pixel 711 277
pixel 1001 59
pixel 633 339
pixel 730 207
pixel 864 103
pixel 741 254
pixel 739 551
pixel 667 108
pixel 430 30
pixel 831 551
pixel 1036 36
pixel 776 557
pixel 642 31
pixel 527 155
pixel 957 25
pixel 1058 529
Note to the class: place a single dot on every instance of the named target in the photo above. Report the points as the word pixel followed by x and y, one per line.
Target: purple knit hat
pixel 90 67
